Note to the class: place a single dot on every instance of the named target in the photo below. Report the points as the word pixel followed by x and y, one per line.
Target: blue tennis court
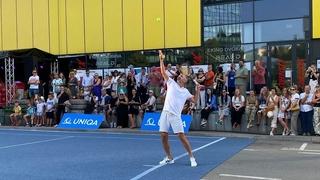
pixel 38 154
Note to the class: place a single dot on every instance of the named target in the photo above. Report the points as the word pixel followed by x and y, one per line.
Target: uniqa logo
pixel 79 121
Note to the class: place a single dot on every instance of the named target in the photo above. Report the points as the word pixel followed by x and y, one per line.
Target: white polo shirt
pixel 175 98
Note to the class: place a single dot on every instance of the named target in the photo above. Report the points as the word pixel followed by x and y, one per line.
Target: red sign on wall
pixel 281 73
pixel 300 72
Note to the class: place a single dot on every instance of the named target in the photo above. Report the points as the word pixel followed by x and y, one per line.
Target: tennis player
pixel 176 97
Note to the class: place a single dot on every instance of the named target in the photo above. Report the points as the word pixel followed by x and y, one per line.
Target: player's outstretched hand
pixel 161 56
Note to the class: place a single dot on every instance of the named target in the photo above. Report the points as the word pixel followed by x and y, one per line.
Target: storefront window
pixel 280 9
pixel 279 30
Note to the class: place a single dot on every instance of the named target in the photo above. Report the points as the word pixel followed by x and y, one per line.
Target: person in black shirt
pixel 134 104
pixel 63 97
pixel 112 110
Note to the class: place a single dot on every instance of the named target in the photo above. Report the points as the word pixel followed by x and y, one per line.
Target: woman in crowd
pixel 272 109
pixel 122 110
pixel 201 77
pixel 106 84
pixel 316 108
pixel 251 108
pixel 262 102
pixel 134 104
pixel 238 106
pixel 73 85
pixel 211 105
pixel 131 84
pixel 114 81
pixel 313 75
pixel 56 83
pixel 283 114
pixel 63 78
pixel 294 109
pixel 224 104
pixel 219 79
pixel 190 84
pixel 96 89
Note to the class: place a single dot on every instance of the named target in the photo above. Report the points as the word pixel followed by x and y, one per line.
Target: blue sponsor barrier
pixel 81 121
pixel 151 122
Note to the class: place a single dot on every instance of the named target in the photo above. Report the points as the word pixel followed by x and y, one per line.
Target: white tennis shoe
pixel 166 160
pixel 193 162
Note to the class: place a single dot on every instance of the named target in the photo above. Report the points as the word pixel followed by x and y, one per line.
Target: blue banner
pixel 151 122
pixel 81 121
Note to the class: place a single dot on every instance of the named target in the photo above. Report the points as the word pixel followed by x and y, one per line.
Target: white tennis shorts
pixel 168 119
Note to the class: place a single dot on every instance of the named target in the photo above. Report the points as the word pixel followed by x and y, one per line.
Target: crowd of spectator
pixel 129 95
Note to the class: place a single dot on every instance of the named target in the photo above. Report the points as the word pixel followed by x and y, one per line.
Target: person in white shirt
pixel 56 83
pixel 175 99
pixel 237 108
pixel 170 72
pixel 77 75
pixel 49 110
pixel 294 108
pixel 142 82
pixel 40 111
pixel 150 105
pixel 306 111
pixel 34 82
pixel 114 81
pixel 87 83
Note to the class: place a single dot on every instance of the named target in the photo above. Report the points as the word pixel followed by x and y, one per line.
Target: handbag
pixel 296 107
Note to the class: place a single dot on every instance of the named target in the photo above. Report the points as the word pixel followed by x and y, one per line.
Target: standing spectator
pixel 50 87
pixel 238 105
pixel 272 105
pixel 34 82
pixel 242 78
pixel 50 108
pixel 251 108
pixel 63 97
pixel 96 90
pixel 87 83
pixel 209 77
pixel 230 76
pixel 131 84
pixel 211 105
pixel 56 83
pixel 190 84
pixel 29 115
pixel 122 111
pixel 113 109
pixel 258 74
pixel 294 108
pixel 283 114
pixel 63 78
pixel 170 72
pixel 122 83
pixel 16 113
pixel 142 81
pixel 105 104
pixel 77 75
pixel 201 77
pixel 106 84
pixel 306 111
pixel 313 75
pixel 73 85
pixel 316 108
pixel 134 104
pixel 114 81
pixel 150 105
pixel 155 81
pixel 219 79
pixel 40 103
pixel 224 104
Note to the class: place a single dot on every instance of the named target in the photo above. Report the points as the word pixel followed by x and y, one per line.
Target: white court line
pixel 247 177
pixel 303 146
pixel 35 142
pixel 309 153
pixel 149 165
pixel 179 157
pixel 253 150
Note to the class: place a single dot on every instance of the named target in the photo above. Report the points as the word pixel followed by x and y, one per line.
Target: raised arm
pixel 162 67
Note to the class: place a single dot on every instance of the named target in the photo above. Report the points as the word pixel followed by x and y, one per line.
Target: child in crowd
pixel 283 114
pixel 15 114
pixel 29 115
pixel 40 103
pixel 50 108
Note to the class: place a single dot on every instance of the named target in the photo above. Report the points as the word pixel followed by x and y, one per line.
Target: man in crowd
pixel 142 81
pixel 242 78
pixel 34 82
pixel 87 83
pixel 209 78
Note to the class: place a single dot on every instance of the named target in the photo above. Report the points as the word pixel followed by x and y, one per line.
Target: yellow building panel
pixel 93 25
pixel 316 19
pixel 153 24
pixel 41 25
pixel 9 28
pixel 75 26
pixel 24 24
pixel 193 23
pixel 112 25
pixel 132 25
pixel 175 23
pixel 1 26
pixel 62 27
pixel 54 26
